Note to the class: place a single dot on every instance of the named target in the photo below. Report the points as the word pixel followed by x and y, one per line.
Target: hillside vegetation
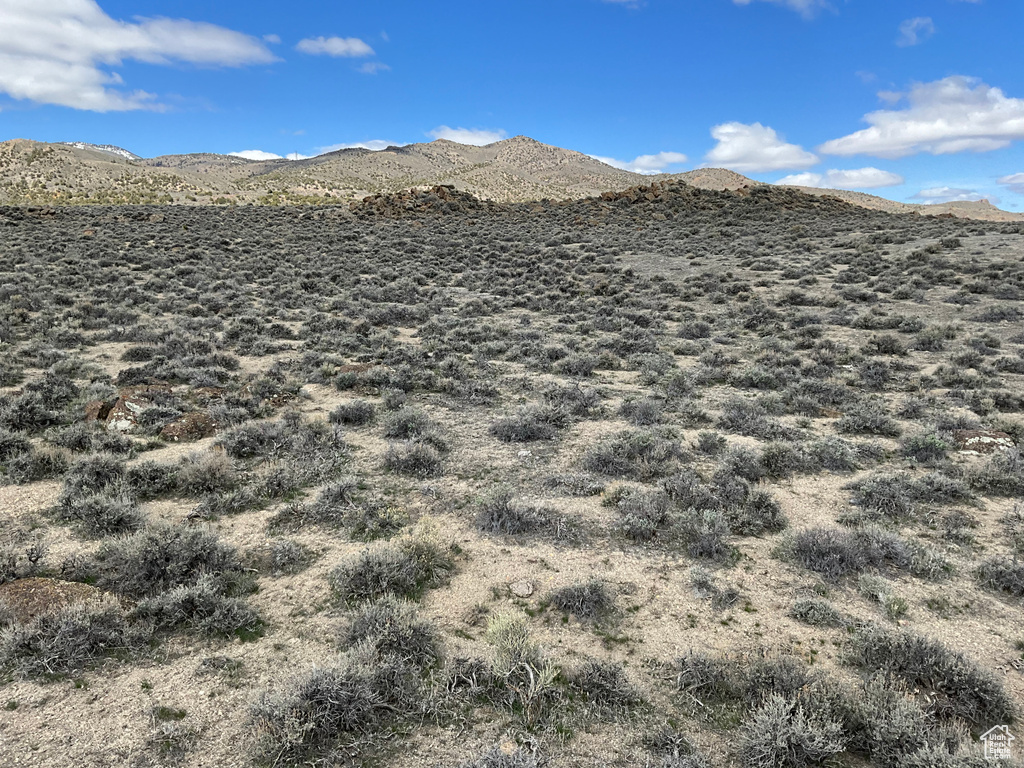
pixel 665 477
pixel 513 170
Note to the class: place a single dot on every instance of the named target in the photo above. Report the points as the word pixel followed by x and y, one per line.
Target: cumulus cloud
pixel 855 178
pixel 645 164
pixel 63 51
pixel 259 154
pixel 755 147
pixel 937 195
pixel 473 136
pixel 955 114
pixel 256 154
pixel 916 30
pixel 341 47
pixel 1014 182
pixel 806 8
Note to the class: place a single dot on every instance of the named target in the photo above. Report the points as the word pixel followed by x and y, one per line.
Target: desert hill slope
pixel 518 169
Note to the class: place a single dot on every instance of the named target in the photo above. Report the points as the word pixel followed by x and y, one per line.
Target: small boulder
pixel 521 589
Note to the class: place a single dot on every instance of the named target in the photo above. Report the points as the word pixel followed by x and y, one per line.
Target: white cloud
pixel 475 137
pixel 806 8
pixel 956 114
pixel 937 195
pixel 375 145
pixel 916 30
pixel 373 67
pixel 62 51
pixel 855 178
pixel 259 154
pixel 256 154
pixel 646 164
pixel 755 147
pixel 345 47
pixel 1014 182
pixel 272 39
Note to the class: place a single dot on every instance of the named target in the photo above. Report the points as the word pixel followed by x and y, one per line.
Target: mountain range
pixel 512 170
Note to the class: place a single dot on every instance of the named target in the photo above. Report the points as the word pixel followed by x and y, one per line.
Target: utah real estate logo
pixel 997 742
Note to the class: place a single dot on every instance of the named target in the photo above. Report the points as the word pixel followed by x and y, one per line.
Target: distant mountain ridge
pixel 110 149
pixel 512 170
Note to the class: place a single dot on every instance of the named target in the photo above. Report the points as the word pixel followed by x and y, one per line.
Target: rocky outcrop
pixel 441 199
pixel 121 414
pixel 981 442
pixel 190 427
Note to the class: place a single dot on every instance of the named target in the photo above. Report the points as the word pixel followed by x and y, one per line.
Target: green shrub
pixel 69 639
pixel 868 417
pixel 1001 475
pixel 528 424
pixel 105 513
pixel 390 626
pixel 816 613
pixel 925 448
pixel 1002 574
pixel 407 423
pixel 633 454
pixel 162 557
pixel 325 706
pixel 205 473
pixel 604 685
pixel 710 443
pixel 588 601
pixel 403 569
pixel 413 458
pixel 354 414
pixel 782 734
pixel 201 607
pixel 641 413
pixel 963 688
pixel 835 553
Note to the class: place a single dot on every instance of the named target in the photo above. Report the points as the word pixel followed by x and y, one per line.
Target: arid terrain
pixel 671 477
pixel 519 169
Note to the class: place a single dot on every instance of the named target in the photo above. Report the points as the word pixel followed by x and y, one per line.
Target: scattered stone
pixel 521 589
pixel 981 442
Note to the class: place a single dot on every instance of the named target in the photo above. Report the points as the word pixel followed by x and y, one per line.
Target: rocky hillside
pixel 513 170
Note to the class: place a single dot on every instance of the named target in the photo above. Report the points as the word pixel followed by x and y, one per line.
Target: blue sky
pixel 917 100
